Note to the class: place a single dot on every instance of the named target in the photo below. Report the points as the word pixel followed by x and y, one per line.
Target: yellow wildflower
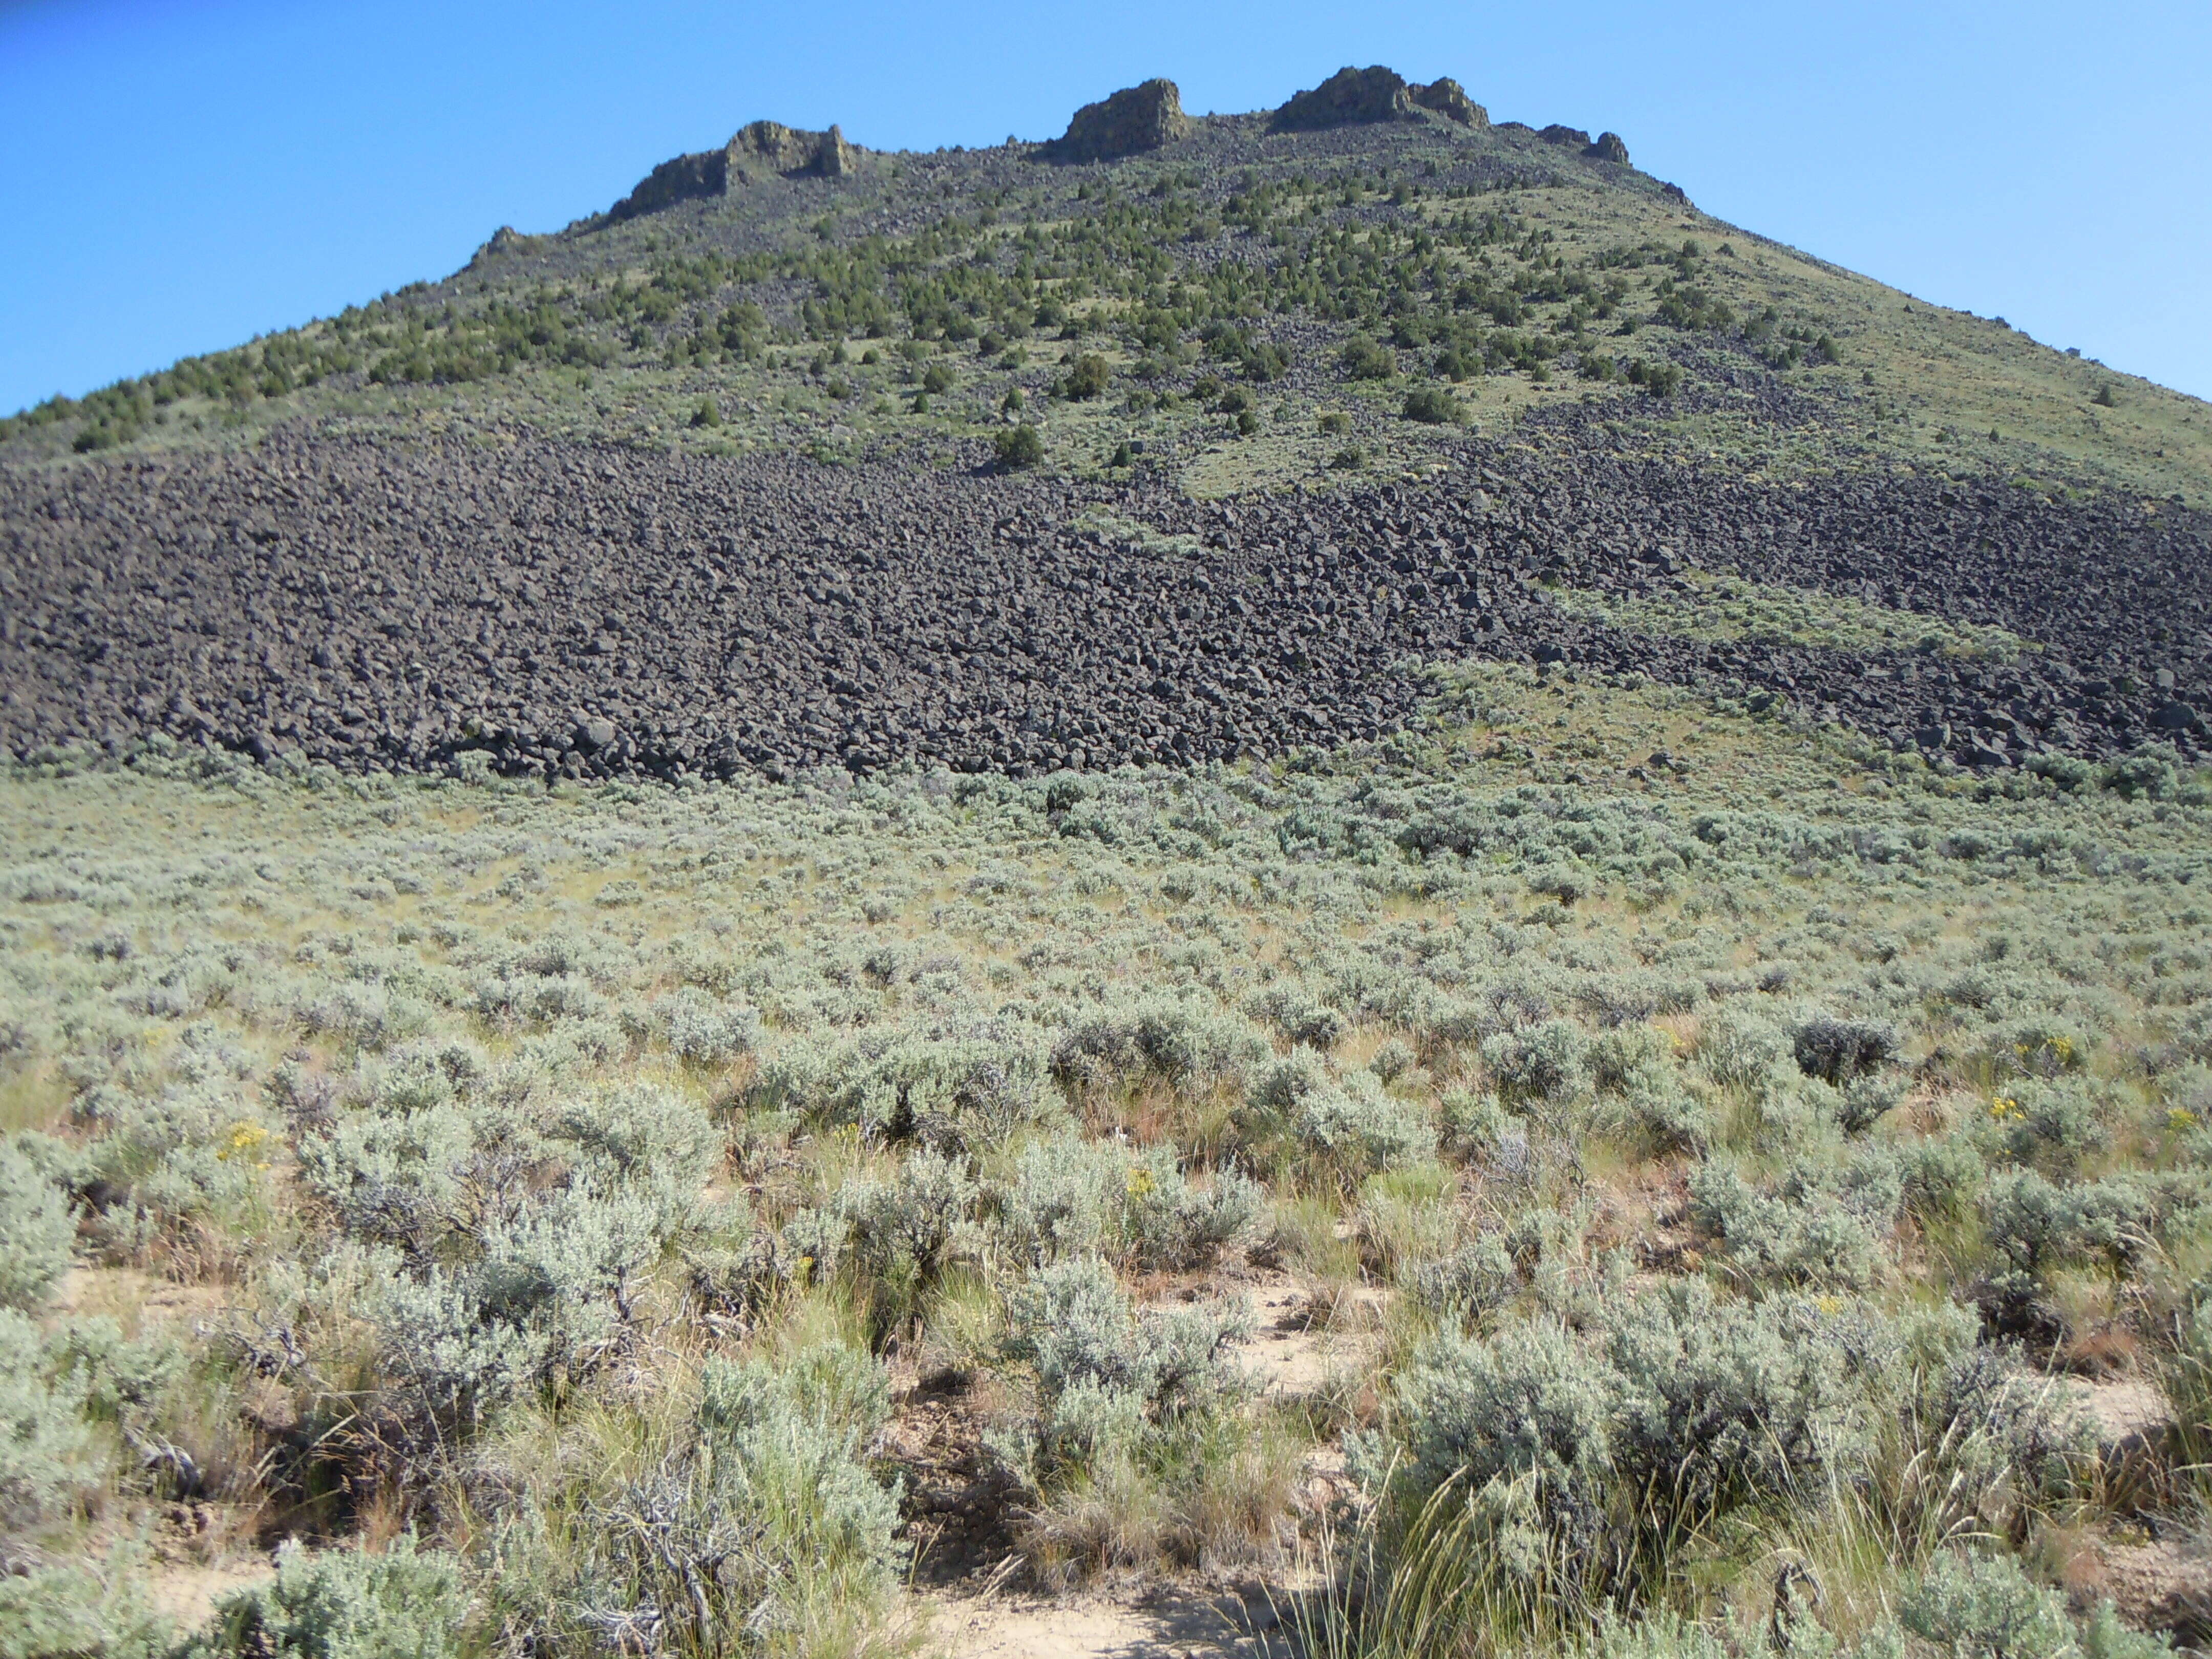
pixel 243 1138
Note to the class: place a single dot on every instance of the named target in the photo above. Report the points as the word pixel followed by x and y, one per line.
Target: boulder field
pixel 579 609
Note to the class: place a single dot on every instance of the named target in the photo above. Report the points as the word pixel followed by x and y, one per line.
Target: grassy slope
pixel 1917 384
pixel 184 956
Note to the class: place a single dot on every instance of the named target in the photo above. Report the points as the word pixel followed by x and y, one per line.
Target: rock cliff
pixel 1136 119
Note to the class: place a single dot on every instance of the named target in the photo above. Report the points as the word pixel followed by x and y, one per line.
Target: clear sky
pixel 178 177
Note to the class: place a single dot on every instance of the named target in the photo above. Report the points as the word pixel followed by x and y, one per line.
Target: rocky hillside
pixel 1167 438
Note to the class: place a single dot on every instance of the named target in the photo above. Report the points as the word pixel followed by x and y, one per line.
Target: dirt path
pixel 1162 1625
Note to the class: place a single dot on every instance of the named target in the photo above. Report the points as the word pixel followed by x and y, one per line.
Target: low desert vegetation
pixel 447 1217
pixel 1423 270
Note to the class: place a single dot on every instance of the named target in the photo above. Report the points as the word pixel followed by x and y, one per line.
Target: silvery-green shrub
pixel 1472 1281
pixel 915 1221
pixel 402 1603
pixel 1070 1197
pixel 1063 1199
pixel 1298 1016
pixel 702 1030
pixel 1280 1084
pixel 1724 1401
pixel 1392 1060
pixel 1839 1051
pixel 1679 1403
pixel 1191 1043
pixel 952 1086
pixel 1174 1223
pixel 2034 1223
pixel 1982 1607
pixel 1738 1048
pixel 70 1610
pixel 1528 1403
pixel 1941 1177
pixel 1864 1102
pixel 37 1231
pixel 48 1457
pixel 1544 1064
pixel 1354 1126
pixel 2048 1124
pixel 1820 1226
pixel 1073 1324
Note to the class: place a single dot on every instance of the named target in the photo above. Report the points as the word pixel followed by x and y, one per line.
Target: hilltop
pixel 1249 416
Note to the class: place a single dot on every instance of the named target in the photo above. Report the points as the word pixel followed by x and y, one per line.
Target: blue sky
pixel 178 177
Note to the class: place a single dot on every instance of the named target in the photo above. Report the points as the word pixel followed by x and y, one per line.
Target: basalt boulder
pixel 1608 147
pixel 1137 118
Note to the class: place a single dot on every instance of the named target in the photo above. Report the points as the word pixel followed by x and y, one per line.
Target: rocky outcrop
pixel 1557 134
pixel 764 149
pixel 769 146
pixel 1134 119
pixel 1356 97
pixel 1609 147
pixel 1447 98
pixel 504 240
pixel 679 180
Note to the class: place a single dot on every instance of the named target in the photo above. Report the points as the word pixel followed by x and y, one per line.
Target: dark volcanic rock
pixel 1556 134
pixel 504 240
pixel 766 148
pixel 1449 100
pixel 681 179
pixel 1354 97
pixel 579 609
pixel 1148 116
pixel 1609 147
pixel 758 151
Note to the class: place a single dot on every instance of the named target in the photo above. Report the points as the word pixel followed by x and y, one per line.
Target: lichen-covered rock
pixel 1354 97
pixel 1447 98
pixel 1609 147
pixel 1349 97
pixel 1146 117
pixel 767 148
pixel 760 150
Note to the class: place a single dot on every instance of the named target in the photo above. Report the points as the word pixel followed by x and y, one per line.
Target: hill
pixel 1306 884
pixel 1363 381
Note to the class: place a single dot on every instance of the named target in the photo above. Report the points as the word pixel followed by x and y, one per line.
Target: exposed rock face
pixel 1556 134
pixel 1448 99
pixel 762 150
pixel 769 146
pixel 1354 97
pixel 1609 147
pixel 506 240
pixel 678 179
pixel 1136 119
